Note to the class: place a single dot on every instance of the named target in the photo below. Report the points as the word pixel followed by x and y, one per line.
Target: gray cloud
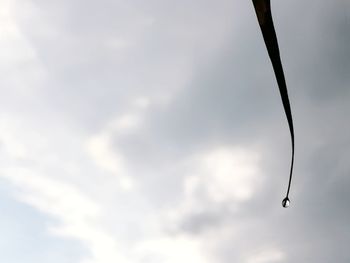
pixel 232 99
pixel 228 98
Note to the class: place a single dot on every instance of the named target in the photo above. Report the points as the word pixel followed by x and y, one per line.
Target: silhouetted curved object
pixel 263 12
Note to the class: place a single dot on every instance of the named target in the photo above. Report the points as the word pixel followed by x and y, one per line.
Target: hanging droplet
pixel 285 202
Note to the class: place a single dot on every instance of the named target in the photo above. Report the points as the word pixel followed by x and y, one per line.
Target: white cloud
pixel 266 255
pixel 14 45
pixel 216 178
pixel 108 159
pixel 51 196
pixel 76 214
pixel 19 63
pixel 76 211
pixel 226 174
pixel 223 174
pixel 100 146
pixel 10 140
pixel 172 249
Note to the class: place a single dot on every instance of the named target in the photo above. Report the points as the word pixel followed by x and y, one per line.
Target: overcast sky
pixel 153 132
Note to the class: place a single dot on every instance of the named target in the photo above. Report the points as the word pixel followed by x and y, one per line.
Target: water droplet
pixel 285 202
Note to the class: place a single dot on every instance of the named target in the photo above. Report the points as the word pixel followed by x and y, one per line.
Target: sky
pixel 153 132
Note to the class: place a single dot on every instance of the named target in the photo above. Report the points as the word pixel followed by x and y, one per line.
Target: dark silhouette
pixel 263 12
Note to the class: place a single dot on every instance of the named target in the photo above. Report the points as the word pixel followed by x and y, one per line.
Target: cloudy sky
pixel 153 132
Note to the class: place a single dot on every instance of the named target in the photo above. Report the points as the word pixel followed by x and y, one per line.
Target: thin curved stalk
pixel 263 12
